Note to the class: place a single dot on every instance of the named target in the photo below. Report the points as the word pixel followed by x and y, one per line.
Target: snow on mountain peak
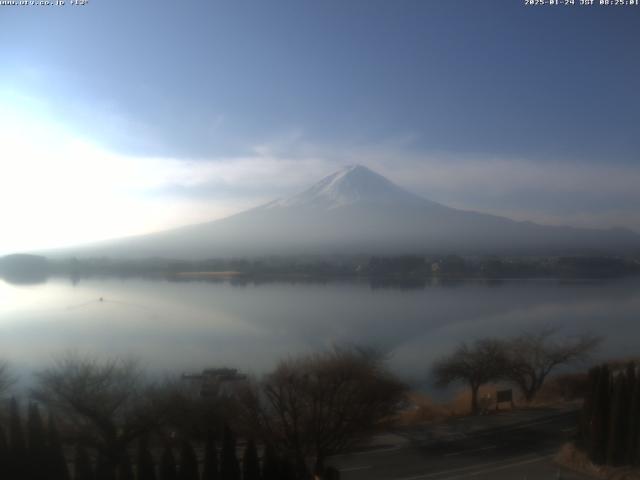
pixel 353 184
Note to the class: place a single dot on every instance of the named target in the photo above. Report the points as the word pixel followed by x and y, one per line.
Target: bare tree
pixel 533 355
pixel 318 405
pixel 481 362
pixel 106 404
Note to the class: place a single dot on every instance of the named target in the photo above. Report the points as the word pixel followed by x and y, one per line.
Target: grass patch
pixel 575 459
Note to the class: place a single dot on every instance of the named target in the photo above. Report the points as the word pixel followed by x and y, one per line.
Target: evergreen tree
pixel 210 470
pixel 630 373
pixel 331 473
pixel 82 465
pixel 17 447
pixel 229 465
pixel 188 462
pixel 146 468
pixel 125 469
pixel 250 462
pixel 168 465
pixel 286 470
pixel 586 415
pixel 57 463
pixel 270 464
pixel 104 468
pixel 616 448
pixel 4 453
pixel 600 422
pixel 633 445
pixel 38 451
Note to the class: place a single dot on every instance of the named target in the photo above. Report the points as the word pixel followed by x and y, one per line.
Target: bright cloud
pixel 58 189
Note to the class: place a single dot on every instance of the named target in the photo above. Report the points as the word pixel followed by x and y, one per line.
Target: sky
pixel 122 117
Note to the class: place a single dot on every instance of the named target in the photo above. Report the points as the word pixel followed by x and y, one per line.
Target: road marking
pixel 369 452
pixel 460 435
pixel 353 469
pixel 503 467
pixel 514 427
pixel 456 435
pixel 462 452
pixel 485 467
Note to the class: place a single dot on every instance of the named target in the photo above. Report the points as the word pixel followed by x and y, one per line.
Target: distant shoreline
pixel 209 274
pixel 379 270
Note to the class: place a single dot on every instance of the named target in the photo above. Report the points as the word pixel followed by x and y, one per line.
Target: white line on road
pixel 369 452
pixel 482 468
pixel 353 469
pixel 462 452
pixel 461 435
pixel 514 427
pixel 503 467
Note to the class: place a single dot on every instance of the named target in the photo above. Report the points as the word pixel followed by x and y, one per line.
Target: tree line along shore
pixel 34 268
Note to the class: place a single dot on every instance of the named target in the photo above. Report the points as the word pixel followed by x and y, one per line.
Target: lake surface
pixel 187 326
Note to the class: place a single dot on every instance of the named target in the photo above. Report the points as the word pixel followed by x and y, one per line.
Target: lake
pixel 190 325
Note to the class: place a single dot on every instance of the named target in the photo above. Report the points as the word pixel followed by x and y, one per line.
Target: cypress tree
pixel 270 464
pixel 168 465
pixel 586 416
pixel 188 462
pixel 18 460
pixel 210 470
pixel 331 473
pixel 250 462
pixel 146 468
pixel 286 470
pixel 4 453
pixel 82 465
pixel 125 469
pixel 600 422
pixel 57 463
pixel 630 373
pixel 104 468
pixel 39 468
pixel 633 442
pixel 229 465
pixel 625 456
pixel 616 449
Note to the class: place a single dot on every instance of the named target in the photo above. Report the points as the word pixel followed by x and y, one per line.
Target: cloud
pixel 544 191
pixel 60 188
pixel 559 193
pixel 556 192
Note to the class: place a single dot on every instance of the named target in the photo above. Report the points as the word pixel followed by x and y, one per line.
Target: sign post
pixel 504 396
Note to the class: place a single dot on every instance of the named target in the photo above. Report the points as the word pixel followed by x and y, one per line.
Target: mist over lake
pixel 186 326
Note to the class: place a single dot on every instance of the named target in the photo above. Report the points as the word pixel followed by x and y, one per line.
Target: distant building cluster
pixel 215 381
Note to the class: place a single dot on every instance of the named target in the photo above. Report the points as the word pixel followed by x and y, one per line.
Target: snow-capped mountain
pixel 352 185
pixel 357 211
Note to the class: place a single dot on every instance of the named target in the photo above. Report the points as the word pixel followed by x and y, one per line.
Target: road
pixel 521 449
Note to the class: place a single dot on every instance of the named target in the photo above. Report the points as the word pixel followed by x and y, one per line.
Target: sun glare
pixel 57 189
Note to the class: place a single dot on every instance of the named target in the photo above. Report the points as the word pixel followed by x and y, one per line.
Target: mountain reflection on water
pixel 250 324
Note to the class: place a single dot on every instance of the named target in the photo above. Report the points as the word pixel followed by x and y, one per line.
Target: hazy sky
pixel 121 117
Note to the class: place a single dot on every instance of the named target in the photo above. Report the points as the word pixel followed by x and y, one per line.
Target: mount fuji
pixel 357 211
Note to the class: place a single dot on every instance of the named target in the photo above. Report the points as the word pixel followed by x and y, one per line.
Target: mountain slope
pixel 357 211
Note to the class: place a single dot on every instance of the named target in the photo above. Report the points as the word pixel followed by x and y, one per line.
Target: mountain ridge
pixel 357 211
